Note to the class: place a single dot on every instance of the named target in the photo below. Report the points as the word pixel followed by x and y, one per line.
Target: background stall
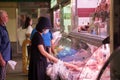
pixel 86 43
pixel 55 14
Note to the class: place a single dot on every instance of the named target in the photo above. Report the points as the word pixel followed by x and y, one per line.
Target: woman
pixel 28 26
pixel 25 31
pixel 38 57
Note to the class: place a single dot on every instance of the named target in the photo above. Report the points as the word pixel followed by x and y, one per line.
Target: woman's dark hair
pixel 43 23
pixel 27 22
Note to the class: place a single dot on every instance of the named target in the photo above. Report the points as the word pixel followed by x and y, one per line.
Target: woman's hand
pixel 2 61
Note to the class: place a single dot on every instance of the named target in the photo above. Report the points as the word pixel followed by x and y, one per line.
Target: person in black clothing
pixel 38 56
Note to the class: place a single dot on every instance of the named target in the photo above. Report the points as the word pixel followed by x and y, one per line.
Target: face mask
pixel 46 31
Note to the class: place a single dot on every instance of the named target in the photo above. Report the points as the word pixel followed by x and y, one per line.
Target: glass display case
pixel 68 49
pixel 85 51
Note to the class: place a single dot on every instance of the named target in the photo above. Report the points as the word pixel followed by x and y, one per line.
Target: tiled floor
pixel 16 74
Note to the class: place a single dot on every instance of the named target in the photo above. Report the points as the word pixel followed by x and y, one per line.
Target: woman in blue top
pixel 47 37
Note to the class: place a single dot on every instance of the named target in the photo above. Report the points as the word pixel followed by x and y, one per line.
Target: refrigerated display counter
pixel 85 36
pixel 85 51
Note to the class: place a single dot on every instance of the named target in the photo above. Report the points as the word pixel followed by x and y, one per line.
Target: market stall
pixel 63 15
pixel 83 50
pixel 55 15
pixel 86 45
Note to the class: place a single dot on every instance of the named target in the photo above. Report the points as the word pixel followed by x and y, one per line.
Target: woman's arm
pixel 55 60
pixel 47 55
pixel 52 47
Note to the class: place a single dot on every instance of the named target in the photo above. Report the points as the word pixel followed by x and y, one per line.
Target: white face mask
pixel 46 31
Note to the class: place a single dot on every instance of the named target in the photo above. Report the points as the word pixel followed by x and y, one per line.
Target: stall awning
pixel 85 12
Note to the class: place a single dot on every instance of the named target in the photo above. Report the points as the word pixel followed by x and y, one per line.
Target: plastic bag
pixel 12 64
pixel 52 70
pixel 49 69
pixel 58 69
pixel 62 71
